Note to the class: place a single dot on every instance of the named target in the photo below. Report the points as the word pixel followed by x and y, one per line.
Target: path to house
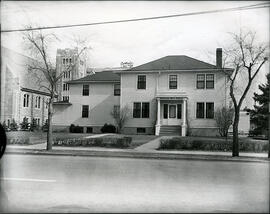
pixel 151 145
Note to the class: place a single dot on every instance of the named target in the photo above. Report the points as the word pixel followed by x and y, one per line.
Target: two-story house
pixel 174 94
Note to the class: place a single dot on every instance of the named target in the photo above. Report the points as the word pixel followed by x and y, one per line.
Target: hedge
pixel 178 143
pixel 123 142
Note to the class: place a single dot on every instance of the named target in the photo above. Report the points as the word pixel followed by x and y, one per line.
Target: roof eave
pixel 176 70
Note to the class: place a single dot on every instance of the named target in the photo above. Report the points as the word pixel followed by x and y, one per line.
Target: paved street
pixel 33 183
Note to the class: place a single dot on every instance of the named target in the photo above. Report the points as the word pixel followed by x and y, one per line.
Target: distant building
pixel 65 58
pixel 21 94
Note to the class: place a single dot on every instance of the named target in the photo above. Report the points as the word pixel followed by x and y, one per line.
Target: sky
pixel 140 42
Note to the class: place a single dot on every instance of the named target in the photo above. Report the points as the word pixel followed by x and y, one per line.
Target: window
pixel 200 81
pixel 85 90
pixel 209 80
pixel 117 89
pixel 145 110
pixel 37 102
pixel 89 129
pixel 205 81
pixel 172 111
pixel 66 98
pixel 140 130
pixel 137 110
pixel 141 110
pixel 141 82
pixel 205 110
pixel 64 61
pixel 200 110
pixel 165 111
pixel 85 110
pixel 172 81
pixel 179 111
pixel 47 103
pixel 210 110
pixel 25 100
pixel 116 111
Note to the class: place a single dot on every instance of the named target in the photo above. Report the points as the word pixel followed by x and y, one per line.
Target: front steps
pixel 170 130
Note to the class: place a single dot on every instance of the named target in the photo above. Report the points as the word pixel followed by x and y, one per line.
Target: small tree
pixel 259 115
pixel 38 43
pixel 25 124
pixel 224 119
pixel 13 125
pixel 120 116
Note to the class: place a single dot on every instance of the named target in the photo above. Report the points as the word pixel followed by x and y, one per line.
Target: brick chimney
pixel 219 57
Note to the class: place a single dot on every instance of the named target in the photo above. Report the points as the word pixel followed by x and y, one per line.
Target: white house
pixel 171 95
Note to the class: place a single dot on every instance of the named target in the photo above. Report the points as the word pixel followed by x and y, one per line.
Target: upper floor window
pixel 85 111
pixel 205 81
pixel 200 81
pixel 141 84
pixel 209 80
pixel 117 89
pixel 26 100
pixel 47 103
pixel 205 110
pixel 141 110
pixel 85 91
pixel 172 81
pixel 65 87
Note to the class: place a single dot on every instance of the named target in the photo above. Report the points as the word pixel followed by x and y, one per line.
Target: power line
pixel 256 6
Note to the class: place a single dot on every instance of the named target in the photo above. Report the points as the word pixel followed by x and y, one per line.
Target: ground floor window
pixel 85 111
pixel 141 110
pixel 205 110
pixel 89 129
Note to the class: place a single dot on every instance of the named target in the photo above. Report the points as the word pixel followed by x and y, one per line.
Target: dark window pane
pixel 141 82
pixel 137 110
pixel 85 110
pixel 165 111
pixel 200 81
pixel 173 81
pixel 89 130
pixel 145 110
pixel 210 110
pixel 116 89
pixel 179 111
pixel 85 90
pixel 140 130
pixel 210 81
pixel 200 110
pixel 172 111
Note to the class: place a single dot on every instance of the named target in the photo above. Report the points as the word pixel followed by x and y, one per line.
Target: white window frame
pixel 137 76
pixel 177 77
pixel 205 81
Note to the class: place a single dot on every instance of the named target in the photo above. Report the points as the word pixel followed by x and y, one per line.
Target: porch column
pixel 184 125
pixel 158 117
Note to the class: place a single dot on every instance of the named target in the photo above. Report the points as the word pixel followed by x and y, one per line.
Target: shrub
pixel 108 128
pixel 13 125
pixel 75 129
pixel 25 124
pixel 178 143
pixel 113 142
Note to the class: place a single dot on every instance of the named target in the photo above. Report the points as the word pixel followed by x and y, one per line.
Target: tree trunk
pixel 235 148
pixel 49 133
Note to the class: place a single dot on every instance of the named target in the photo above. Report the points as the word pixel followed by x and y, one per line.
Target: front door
pixel 172 114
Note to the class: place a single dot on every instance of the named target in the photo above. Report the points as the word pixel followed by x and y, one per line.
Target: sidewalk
pixel 145 151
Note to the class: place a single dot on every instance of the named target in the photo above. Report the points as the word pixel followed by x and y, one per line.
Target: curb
pixel 142 155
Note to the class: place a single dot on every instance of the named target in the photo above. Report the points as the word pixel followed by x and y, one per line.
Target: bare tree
pixel 246 57
pixel 45 70
pixel 224 119
pixel 120 116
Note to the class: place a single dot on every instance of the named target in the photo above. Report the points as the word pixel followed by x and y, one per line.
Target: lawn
pixel 26 137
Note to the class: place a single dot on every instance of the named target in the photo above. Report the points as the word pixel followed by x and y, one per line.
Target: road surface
pixel 33 183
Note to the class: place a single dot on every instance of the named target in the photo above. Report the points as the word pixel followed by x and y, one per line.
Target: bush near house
pixel 108 128
pixel 214 144
pixel 109 142
pixel 75 129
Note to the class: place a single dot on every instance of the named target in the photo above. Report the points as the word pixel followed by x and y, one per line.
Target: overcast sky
pixel 196 36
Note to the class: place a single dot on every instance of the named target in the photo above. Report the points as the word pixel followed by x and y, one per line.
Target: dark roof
pixel 175 62
pixel 103 76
